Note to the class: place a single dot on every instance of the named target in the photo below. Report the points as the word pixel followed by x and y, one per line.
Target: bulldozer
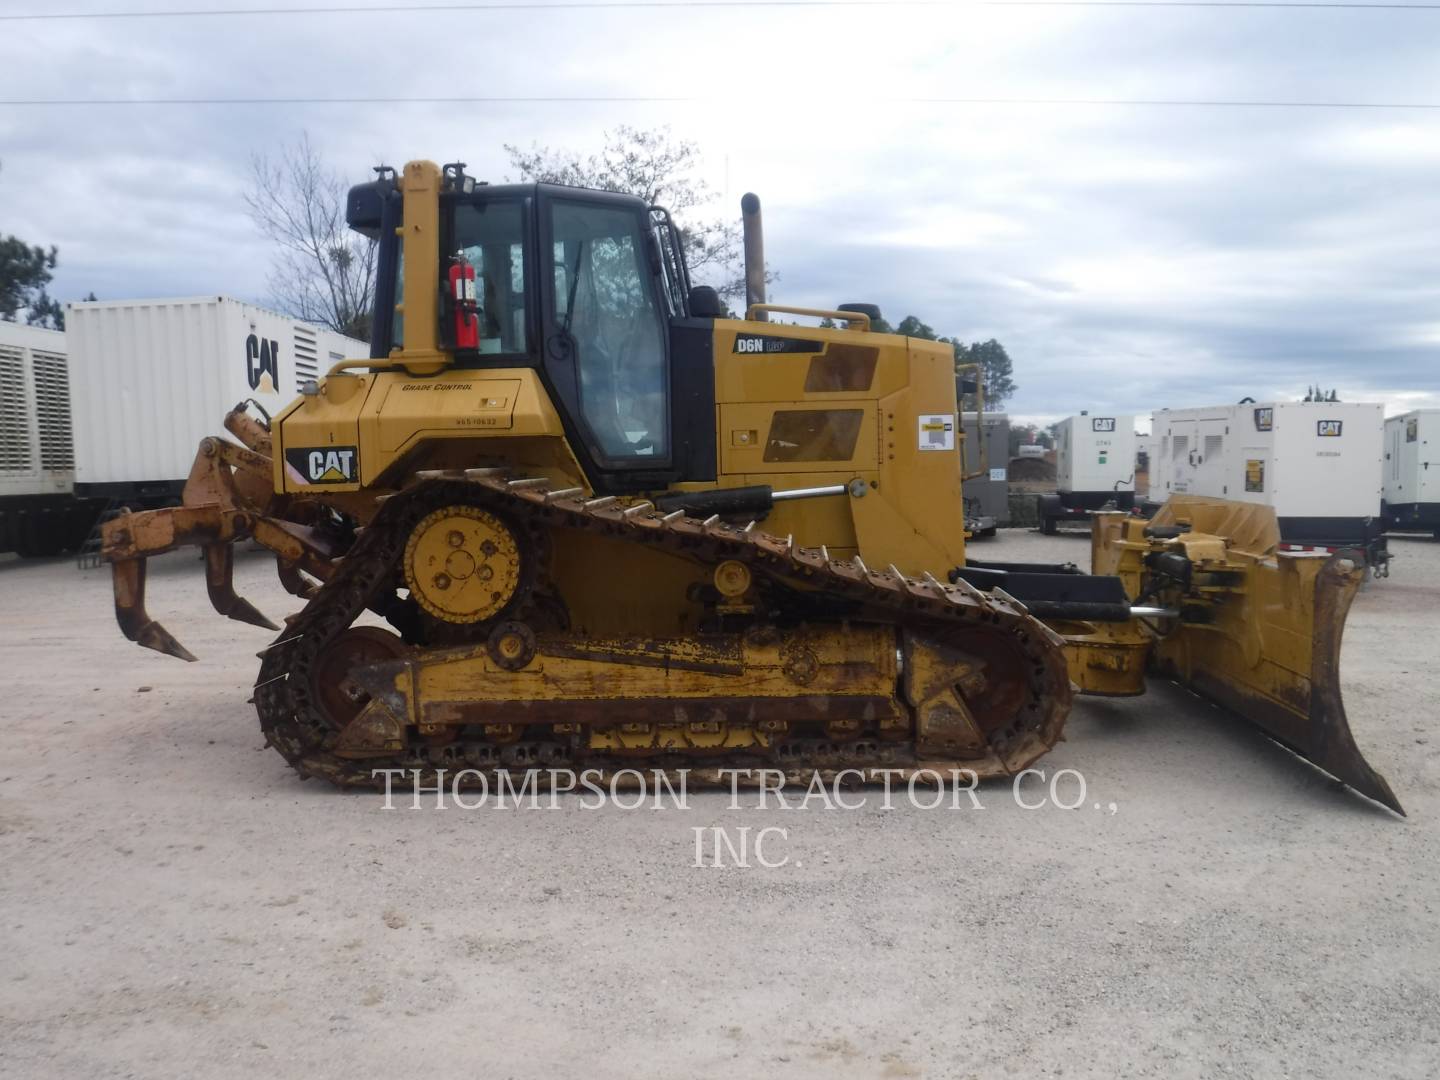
pixel 572 514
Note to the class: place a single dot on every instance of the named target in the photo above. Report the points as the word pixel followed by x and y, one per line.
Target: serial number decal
pixel 762 343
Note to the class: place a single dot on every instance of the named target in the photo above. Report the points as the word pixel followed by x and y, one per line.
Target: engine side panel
pixel 801 406
pixel 348 436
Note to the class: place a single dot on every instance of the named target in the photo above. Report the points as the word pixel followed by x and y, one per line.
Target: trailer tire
pixel 35 541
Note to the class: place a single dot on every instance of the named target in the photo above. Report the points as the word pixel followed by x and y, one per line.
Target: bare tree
pixel 660 169
pixel 322 272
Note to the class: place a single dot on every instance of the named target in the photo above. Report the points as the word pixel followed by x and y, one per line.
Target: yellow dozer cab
pixel 569 514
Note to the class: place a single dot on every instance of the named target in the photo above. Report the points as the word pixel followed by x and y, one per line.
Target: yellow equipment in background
pixel 605 524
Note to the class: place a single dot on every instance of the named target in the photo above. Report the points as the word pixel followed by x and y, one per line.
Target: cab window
pixel 605 302
pixel 491 237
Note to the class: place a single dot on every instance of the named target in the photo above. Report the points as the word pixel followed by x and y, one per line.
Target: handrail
pixel 382 363
pixel 856 320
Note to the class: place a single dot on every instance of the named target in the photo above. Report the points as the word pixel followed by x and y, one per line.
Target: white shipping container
pixel 1308 460
pixel 1411 483
pixel 36 451
pixel 151 378
pixel 1095 454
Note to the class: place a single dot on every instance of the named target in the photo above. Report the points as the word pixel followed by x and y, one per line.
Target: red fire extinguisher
pixel 462 294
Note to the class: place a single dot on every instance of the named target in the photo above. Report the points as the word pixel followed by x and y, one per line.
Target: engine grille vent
pixel 307 361
pixel 52 409
pixel 15 456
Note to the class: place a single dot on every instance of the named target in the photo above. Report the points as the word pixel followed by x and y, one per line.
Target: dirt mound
pixel 1031 470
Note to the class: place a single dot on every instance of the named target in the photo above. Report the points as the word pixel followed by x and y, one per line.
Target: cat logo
pixel 1329 428
pixel 262 364
pixel 1264 419
pixel 322 464
pixel 1102 423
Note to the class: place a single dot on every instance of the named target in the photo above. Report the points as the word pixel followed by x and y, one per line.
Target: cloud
pixel 1129 257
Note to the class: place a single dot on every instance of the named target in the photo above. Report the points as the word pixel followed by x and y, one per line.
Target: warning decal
pixel 937 432
pixel 1255 474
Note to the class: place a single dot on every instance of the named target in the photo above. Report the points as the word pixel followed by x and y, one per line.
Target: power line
pixel 450 99
pixel 500 5
pixel 601 5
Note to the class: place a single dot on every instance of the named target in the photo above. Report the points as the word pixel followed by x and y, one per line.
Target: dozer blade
pixel 135 623
pixel 220 583
pixel 1257 631
pixel 1272 655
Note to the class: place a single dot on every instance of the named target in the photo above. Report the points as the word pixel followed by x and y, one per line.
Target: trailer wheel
pixel 36 540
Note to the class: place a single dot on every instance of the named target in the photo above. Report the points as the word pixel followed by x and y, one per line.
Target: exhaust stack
pixel 754 255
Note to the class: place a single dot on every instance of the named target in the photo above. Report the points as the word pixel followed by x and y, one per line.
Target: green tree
pixel 910 326
pixel 25 274
pixel 994 361
pixel 47 311
pixel 995 366
pixel 25 271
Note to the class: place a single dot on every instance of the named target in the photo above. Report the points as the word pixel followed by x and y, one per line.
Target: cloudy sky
pixel 1129 256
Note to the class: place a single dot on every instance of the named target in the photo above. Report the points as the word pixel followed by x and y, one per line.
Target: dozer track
pixel 978 684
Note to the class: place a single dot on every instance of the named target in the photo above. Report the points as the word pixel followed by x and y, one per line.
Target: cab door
pixel 606 348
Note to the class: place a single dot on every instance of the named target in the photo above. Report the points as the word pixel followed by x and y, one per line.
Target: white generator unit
pixel 151 378
pixel 1094 468
pixel 1411 487
pixel 39 514
pixel 1317 463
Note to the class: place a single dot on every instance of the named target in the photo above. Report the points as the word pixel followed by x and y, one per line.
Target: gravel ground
pixel 177 903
